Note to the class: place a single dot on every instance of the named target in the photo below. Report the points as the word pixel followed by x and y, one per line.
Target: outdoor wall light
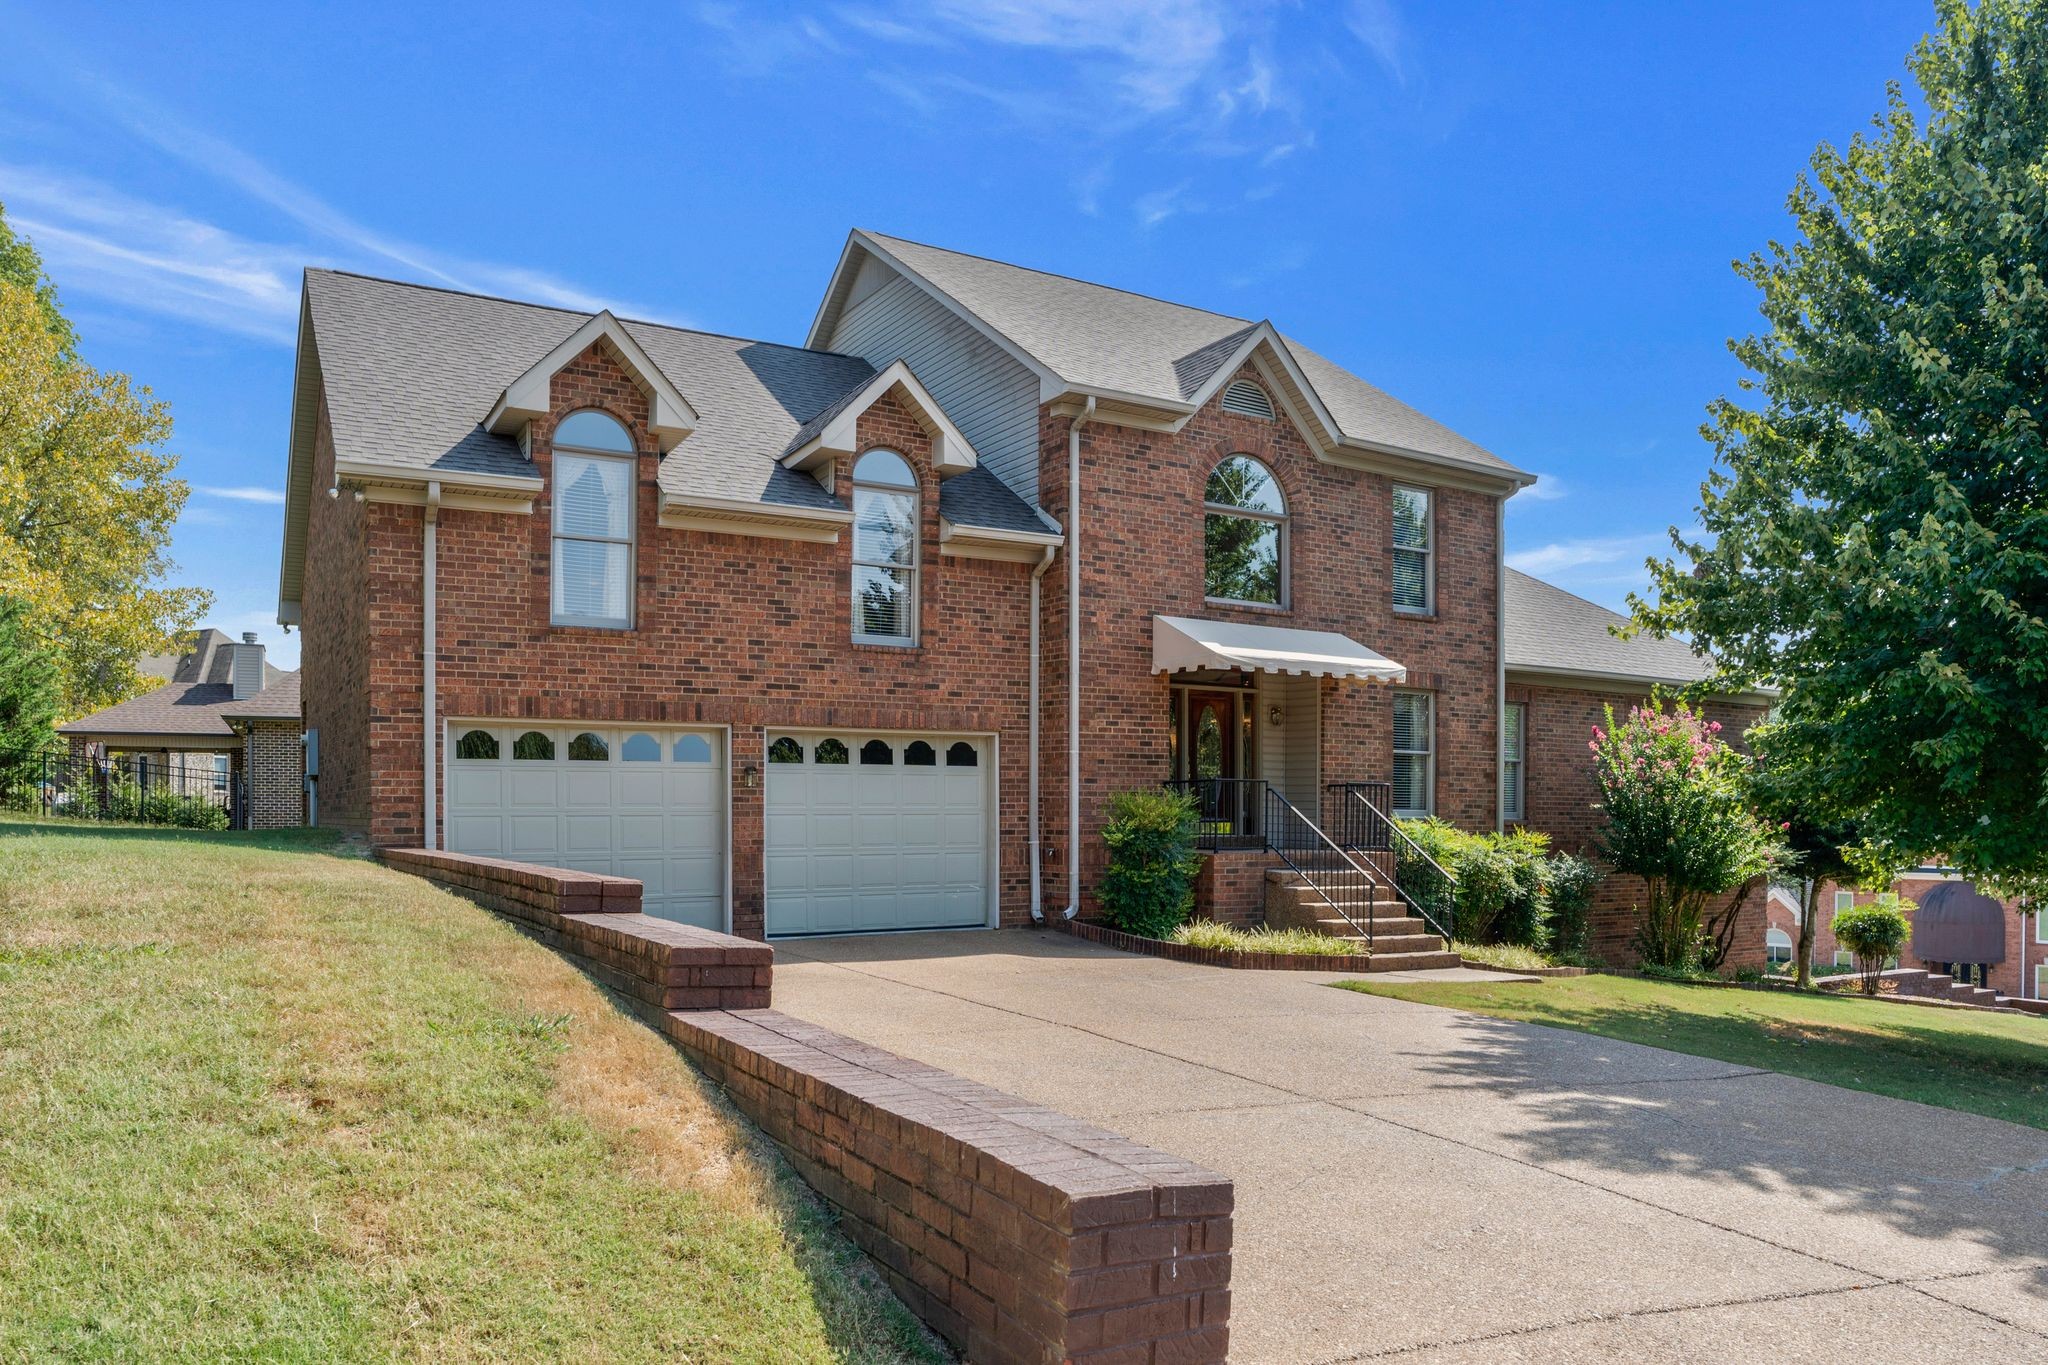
pixel 1274 715
pixel 750 775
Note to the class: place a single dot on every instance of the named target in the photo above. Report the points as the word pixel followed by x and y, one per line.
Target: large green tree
pixel 1877 519
pixel 88 498
pixel 22 267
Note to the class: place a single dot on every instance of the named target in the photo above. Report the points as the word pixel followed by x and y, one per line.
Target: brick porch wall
pixel 1559 798
pixel 1231 887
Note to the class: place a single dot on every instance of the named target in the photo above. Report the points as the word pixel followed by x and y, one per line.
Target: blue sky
pixel 1518 218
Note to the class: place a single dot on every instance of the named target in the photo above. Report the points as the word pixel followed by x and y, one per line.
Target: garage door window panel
pixel 533 747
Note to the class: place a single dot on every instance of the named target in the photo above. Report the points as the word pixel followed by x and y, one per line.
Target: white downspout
pixel 429 699
pixel 1074 659
pixel 1500 660
pixel 1037 592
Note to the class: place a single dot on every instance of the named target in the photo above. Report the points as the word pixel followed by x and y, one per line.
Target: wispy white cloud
pixel 1159 48
pixel 1088 188
pixel 1156 207
pixel 1377 24
pixel 1547 488
pixel 1570 556
pixel 271 496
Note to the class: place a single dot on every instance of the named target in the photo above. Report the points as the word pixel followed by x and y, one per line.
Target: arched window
pixel 961 755
pixel 785 750
pixel 1244 534
pixel 594 478
pixel 640 749
pixel 877 753
pixel 477 744
pixel 697 749
pixel 831 751
pixel 884 549
pixel 589 747
pixel 534 745
pixel 918 754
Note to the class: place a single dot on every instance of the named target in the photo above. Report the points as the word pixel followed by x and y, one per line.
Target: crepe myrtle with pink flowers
pixel 1675 813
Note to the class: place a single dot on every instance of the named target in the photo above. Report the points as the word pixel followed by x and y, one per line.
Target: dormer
pixel 834 431
pixel 670 416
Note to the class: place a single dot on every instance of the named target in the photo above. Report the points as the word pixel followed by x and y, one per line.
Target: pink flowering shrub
pixel 1677 815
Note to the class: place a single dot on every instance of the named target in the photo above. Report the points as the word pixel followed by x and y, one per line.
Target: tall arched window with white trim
pixel 1244 534
pixel 885 558
pixel 594 477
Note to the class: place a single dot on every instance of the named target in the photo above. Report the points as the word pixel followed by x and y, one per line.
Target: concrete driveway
pixel 1439 1186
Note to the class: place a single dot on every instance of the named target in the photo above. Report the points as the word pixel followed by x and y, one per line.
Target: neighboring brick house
pixel 2016 965
pixel 223 727
pixel 787 632
pixel 1564 668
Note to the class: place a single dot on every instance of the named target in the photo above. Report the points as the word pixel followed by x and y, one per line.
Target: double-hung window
pixel 1414 761
pixel 885 560
pixel 1414 551
pixel 594 477
pixel 1513 724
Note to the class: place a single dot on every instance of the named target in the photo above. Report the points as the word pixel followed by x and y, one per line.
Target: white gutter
pixel 1074 659
pixel 428 695
pixel 1037 890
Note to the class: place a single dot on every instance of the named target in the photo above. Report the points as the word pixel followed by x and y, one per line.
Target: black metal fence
pixel 1230 810
pixel 142 788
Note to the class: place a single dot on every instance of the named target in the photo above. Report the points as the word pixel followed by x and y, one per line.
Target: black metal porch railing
pixel 1229 810
pixel 132 787
pixel 1361 823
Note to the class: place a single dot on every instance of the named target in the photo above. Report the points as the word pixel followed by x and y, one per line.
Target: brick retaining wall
pixel 1231 886
pixel 1018 1233
pixel 596 919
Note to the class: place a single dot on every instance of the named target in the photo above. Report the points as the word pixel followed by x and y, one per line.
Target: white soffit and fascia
pixel 670 416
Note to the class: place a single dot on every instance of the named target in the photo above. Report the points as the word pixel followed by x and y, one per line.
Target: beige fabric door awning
pixel 1180 643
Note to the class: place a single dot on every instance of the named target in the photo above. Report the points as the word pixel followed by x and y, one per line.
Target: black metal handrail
pixel 1365 825
pixel 1315 857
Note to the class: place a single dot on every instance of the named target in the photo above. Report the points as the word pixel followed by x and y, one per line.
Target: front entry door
pixel 1214 748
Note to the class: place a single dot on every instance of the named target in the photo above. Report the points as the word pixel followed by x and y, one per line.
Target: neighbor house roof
pixel 1095 339
pixel 1551 631
pixel 198 710
pixel 204 655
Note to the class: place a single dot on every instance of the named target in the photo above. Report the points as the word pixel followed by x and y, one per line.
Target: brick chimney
pixel 247 672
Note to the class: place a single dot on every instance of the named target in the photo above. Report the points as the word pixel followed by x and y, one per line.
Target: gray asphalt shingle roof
pixel 1555 631
pixel 1096 337
pixel 199 709
pixel 411 372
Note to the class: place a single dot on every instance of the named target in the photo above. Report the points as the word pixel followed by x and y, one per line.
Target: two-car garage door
pixel 862 832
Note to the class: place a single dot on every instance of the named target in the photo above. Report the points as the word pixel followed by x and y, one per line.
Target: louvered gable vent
pixel 1247 399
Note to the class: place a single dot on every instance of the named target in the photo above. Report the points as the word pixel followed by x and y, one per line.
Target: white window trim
pixel 2041 926
pixel 915 567
pixel 1279 519
pixel 1841 905
pixel 1427 550
pixel 631 540
pixel 1515 771
pixel 1429 766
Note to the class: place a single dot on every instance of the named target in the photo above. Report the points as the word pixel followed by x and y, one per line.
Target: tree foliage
pixel 22 267
pixel 1874 934
pixel 1877 520
pixel 87 502
pixel 1148 887
pixel 28 688
pixel 1675 812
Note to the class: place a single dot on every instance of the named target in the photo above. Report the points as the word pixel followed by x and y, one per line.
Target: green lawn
pixel 259 1098
pixel 1995 1064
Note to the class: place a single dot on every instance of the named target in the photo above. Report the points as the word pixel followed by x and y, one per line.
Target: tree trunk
pixel 1802 964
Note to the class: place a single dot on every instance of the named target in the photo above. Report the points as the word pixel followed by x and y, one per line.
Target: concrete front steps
pixel 1400 942
pixel 1918 984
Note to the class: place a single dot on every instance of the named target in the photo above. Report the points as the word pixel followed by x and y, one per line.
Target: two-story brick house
pixel 790 632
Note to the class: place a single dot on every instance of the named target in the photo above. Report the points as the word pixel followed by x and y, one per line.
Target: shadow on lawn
pixel 1929 1173
pixel 301 840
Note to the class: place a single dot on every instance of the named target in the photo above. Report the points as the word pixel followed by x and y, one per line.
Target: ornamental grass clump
pixel 1148 888
pixel 1873 934
pixel 1675 813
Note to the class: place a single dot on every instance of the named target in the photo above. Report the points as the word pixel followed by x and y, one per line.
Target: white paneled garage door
pixel 868 832
pixel 637 802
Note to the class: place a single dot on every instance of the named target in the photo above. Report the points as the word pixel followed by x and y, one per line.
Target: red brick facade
pixel 1560 796
pixel 750 632
pixel 1141 554
pixel 2016 976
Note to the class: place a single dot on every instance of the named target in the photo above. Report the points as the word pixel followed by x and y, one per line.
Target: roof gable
pixel 670 416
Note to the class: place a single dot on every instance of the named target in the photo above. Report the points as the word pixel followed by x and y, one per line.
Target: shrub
pixel 1874 933
pixel 1149 885
pixel 1224 938
pixel 1496 890
pixel 1570 880
pixel 1674 798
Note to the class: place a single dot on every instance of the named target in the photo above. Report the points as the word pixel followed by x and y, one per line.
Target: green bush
pixel 1571 880
pixel 1497 888
pixel 1874 933
pixel 1149 886
pixel 128 800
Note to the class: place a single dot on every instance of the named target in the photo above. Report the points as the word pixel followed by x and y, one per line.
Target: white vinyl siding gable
pixel 990 395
